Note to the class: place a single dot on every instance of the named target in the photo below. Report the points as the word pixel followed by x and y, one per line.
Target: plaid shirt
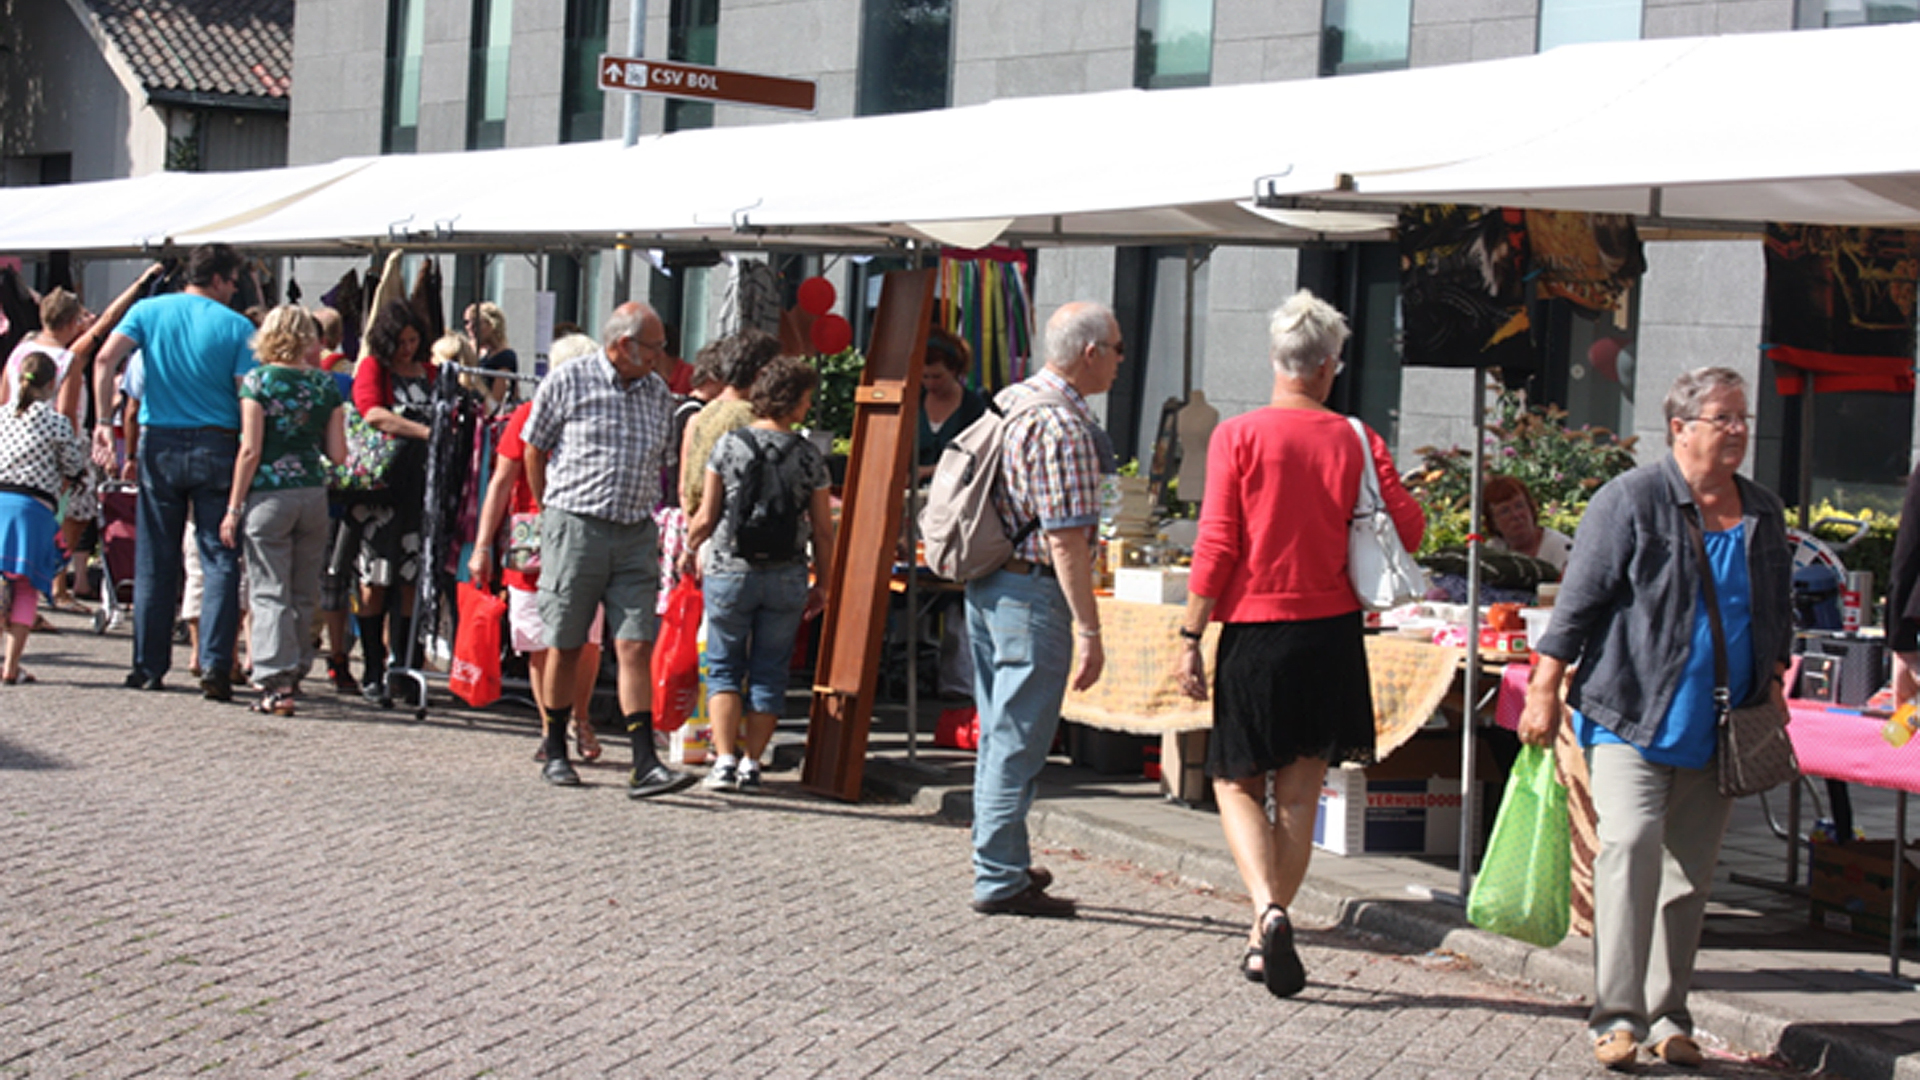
pixel 1050 466
pixel 615 434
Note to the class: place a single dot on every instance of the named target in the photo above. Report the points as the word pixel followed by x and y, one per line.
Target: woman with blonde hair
pixel 40 453
pixel 291 414
pixel 1291 693
pixel 487 329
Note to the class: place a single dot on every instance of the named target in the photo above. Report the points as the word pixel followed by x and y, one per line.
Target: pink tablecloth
pixel 1834 743
pixel 1843 745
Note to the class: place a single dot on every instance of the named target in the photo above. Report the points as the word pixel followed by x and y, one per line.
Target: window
pixel 1365 35
pixel 1175 46
pixel 1576 22
pixel 583 107
pixel 906 48
pixel 1820 14
pixel 693 35
pixel 406 39
pixel 487 74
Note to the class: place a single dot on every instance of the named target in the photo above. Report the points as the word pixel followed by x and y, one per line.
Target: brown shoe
pixel 1679 1050
pixel 1040 878
pixel 1028 901
pixel 1616 1049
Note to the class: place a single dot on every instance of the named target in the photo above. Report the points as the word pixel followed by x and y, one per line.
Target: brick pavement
pixel 191 889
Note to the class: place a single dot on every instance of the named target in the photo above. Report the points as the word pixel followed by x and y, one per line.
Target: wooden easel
pixel 885 412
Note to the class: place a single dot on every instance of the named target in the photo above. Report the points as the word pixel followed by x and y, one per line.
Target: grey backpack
pixel 962 532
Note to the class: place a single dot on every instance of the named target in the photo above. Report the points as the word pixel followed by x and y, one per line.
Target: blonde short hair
pixel 285 335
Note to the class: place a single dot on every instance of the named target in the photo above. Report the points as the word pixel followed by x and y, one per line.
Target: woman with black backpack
pixel 764 497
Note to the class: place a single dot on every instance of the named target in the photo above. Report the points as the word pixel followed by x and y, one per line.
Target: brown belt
pixel 1022 566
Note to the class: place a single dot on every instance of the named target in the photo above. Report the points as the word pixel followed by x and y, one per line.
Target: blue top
pixel 1686 737
pixel 194 349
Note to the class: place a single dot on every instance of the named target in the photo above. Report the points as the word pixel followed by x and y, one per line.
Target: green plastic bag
pixel 1525 885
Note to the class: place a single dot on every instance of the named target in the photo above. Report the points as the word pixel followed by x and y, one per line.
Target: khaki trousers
pixel 1660 829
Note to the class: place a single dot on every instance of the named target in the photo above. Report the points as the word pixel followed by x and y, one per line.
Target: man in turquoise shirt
pixel 195 350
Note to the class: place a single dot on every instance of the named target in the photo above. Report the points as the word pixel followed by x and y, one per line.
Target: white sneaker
pixel 749 781
pixel 722 777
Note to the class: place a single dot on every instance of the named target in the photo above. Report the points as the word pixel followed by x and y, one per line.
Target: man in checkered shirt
pixel 594 440
pixel 1025 618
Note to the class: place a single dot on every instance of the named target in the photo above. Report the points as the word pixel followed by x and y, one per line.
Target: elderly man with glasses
pixel 1025 618
pixel 594 442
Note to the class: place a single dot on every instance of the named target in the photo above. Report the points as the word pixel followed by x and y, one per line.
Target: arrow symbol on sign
pixel 612 73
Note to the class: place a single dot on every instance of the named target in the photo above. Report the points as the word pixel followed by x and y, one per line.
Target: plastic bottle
pixel 1902 725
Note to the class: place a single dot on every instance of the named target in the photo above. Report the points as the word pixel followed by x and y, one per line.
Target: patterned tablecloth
pixel 1137 693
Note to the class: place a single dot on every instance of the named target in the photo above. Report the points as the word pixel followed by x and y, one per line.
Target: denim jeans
pixel 184 471
pixel 751 622
pixel 1022 635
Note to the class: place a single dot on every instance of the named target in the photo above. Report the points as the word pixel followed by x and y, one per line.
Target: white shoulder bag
pixel 1384 575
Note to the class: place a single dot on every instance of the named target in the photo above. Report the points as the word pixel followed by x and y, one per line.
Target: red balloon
pixel 831 334
pixel 1604 354
pixel 816 296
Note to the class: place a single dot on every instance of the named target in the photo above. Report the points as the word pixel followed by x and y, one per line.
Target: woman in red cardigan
pixel 1291 693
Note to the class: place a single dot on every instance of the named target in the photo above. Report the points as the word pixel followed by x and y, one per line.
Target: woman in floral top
pixel 290 413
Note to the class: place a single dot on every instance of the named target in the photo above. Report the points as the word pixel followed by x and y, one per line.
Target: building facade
pixel 395 76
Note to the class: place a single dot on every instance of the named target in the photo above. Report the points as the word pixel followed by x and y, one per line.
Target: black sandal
pixel 1248 960
pixel 1285 976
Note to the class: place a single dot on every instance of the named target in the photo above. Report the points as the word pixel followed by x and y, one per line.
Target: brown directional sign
pixel 675 79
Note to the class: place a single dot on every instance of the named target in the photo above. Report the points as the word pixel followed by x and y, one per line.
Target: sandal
pixel 1285 976
pixel 70 606
pixel 585 741
pixel 276 702
pixel 1253 964
pixel 17 678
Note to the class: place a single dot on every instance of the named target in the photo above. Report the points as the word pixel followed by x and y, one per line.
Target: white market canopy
pixel 1807 127
pixel 1741 129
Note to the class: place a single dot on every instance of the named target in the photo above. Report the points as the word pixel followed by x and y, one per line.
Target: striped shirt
pixel 615 435
pixel 1052 458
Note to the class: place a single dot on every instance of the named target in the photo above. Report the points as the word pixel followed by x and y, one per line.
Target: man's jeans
pixel 1022 635
pixel 184 471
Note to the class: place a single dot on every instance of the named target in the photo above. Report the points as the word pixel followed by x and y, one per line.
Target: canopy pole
pixel 1470 687
pixel 1186 332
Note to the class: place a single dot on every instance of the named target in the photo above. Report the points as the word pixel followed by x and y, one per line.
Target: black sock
pixel 640 732
pixel 556 733
pixel 373 643
pixel 402 626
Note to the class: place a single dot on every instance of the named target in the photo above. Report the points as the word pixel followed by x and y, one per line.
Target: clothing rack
pixel 490 373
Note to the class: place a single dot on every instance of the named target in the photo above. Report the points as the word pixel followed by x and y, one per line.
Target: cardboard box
pixel 1109 753
pixel 1850 888
pixel 1151 585
pixel 1361 816
pixel 1183 767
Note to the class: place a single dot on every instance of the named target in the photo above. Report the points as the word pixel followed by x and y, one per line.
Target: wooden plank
pixel 885 412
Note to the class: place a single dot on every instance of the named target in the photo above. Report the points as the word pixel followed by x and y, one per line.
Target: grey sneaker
pixel 722 777
pixel 749 782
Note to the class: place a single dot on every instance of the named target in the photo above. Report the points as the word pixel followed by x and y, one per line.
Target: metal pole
pixel 1470 689
pixel 1186 331
pixel 629 135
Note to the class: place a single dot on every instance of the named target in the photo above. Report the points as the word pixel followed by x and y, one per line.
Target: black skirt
pixel 1289 690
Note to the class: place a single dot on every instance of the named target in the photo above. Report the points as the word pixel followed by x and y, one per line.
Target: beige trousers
pixel 1660 829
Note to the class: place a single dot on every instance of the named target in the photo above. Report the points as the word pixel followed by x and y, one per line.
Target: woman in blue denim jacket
pixel 1632 615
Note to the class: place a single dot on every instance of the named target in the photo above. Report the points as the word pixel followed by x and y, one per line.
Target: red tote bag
pixel 676 657
pixel 476 652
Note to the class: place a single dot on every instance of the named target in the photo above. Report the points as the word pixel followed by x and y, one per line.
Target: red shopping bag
pixel 676 657
pixel 958 728
pixel 476 652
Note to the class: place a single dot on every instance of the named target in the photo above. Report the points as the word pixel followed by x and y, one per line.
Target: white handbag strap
pixel 1369 498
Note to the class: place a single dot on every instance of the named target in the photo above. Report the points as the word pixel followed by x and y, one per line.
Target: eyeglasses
pixel 650 346
pixel 1119 347
pixel 1726 421
pixel 1339 365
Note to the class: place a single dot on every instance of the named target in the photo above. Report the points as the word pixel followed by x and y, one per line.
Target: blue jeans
pixel 184 471
pixel 752 619
pixel 1022 635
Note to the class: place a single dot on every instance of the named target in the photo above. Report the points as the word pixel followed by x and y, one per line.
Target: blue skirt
pixel 27 540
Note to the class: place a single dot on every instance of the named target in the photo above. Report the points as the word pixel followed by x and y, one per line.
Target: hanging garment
pixel 1462 288
pixel 427 302
pixel 1589 259
pixel 1840 303
pixel 344 298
